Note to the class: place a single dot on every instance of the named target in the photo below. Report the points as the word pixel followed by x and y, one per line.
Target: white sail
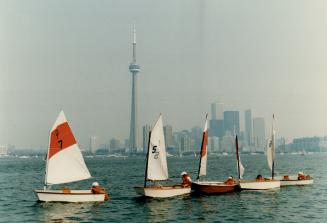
pixel 65 162
pixel 271 147
pixel 204 150
pixel 157 157
pixel 241 169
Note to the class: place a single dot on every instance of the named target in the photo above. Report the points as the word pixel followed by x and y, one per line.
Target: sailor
pixel 97 189
pixel 230 181
pixel 301 176
pixel 259 178
pixel 186 180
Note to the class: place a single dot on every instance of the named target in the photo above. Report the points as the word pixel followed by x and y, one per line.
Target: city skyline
pixel 74 56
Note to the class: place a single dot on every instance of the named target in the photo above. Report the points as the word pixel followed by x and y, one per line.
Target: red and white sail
pixel 157 157
pixel 65 162
pixel 204 150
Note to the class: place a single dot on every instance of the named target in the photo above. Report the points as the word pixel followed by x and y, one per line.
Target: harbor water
pixel 20 176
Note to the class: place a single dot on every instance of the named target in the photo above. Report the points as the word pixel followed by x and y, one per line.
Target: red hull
pixel 210 188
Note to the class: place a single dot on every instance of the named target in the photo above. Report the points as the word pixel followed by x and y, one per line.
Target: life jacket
pixel 100 190
pixel 301 177
pixel 229 182
pixel 186 181
pixel 66 190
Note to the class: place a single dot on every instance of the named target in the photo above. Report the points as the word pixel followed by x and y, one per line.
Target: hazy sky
pixel 266 55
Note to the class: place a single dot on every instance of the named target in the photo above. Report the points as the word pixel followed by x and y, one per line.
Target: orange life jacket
pixel 229 182
pixel 100 190
pixel 186 180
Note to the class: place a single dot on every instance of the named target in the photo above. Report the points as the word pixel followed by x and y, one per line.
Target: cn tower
pixel 134 68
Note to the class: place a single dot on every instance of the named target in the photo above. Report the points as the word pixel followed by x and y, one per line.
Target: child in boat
pixel 230 181
pixel 259 178
pixel 186 180
pixel 301 176
pixel 97 189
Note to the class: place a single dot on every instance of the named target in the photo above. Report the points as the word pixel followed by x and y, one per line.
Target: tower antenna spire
pixel 134 43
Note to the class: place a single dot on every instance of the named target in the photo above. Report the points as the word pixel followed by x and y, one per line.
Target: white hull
pixel 293 181
pixel 259 185
pixel 163 191
pixel 73 196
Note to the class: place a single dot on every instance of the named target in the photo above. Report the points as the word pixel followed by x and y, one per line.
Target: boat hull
pixel 259 185
pixel 72 196
pixel 162 191
pixel 213 187
pixel 293 181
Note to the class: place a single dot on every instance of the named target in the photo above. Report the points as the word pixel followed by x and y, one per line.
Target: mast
pixel 273 148
pixel 46 164
pixel 147 160
pixel 238 158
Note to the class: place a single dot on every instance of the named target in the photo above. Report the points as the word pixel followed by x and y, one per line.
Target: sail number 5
pixel 155 152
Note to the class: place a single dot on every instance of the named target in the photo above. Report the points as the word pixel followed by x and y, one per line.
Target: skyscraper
pixel 94 144
pixel 259 135
pixel 216 123
pixel 248 136
pixel 232 122
pixel 217 110
pixel 134 68
pixel 168 132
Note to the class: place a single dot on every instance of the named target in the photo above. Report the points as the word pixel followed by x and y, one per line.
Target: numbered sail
pixel 157 159
pixel 204 151
pixel 65 162
pixel 271 147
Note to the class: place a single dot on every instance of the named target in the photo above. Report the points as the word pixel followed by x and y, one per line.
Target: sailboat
pixel 286 180
pixel 260 183
pixel 65 164
pixel 156 168
pixel 209 187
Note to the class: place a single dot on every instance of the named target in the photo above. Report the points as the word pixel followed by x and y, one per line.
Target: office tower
pixel 232 122
pixel 114 144
pixel 259 135
pixel 94 144
pixel 248 127
pixel 217 110
pixel 168 132
pixel 213 144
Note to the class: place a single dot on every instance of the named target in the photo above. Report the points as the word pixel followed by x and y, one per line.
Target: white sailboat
pixel 156 167
pixel 260 183
pixel 65 164
pixel 286 180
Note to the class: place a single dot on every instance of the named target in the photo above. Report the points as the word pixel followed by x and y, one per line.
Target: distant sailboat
pixel 156 167
pixel 260 183
pixel 209 187
pixel 65 164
